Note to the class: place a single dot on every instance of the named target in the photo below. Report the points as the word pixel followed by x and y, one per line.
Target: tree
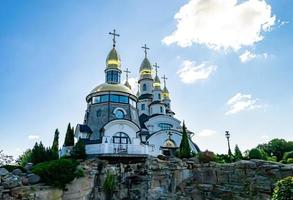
pixel 41 154
pixel 5 159
pixel 257 153
pixel 283 189
pixel 25 158
pixel 69 137
pixel 55 145
pixel 238 154
pixel 184 148
pixel 78 151
pixel 277 147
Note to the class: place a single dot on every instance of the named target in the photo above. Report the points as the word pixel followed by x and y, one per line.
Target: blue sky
pixel 223 74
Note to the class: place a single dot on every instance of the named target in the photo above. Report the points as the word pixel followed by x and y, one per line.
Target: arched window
pixel 161 109
pixel 165 126
pixel 159 96
pixel 144 87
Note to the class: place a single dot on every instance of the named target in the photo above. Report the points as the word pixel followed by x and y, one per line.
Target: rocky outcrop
pixel 167 178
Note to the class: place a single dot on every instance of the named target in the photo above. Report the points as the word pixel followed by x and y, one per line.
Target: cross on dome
pixel 164 78
pixel 156 66
pixel 145 49
pixel 114 36
pixel 127 73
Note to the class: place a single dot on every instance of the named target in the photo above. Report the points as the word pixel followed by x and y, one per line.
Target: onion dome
pixel 145 69
pixel 105 87
pixel 127 84
pixel 113 60
pixel 157 82
pixel 166 94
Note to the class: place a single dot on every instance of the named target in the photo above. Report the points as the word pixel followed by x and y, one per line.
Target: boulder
pixel 17 172
pixel 3 171
pixel 28 166
pixel 33 178
pixel 11 181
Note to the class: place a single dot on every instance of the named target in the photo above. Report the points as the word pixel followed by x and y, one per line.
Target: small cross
pixel 164 78
pixel 127 72
pixel 145 49
pixel 114 35
pixel 156 66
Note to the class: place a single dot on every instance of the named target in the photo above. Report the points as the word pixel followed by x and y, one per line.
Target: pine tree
pixel 69 138
pixel 184 149
pixel 55 145
pixel 238 154
pixel 78 151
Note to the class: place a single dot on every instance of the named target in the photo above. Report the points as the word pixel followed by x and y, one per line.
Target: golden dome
pixel 157 82
pixel 105 87
pixel 145 69
pixel 113 60
pixel 166 94
pixel 127 84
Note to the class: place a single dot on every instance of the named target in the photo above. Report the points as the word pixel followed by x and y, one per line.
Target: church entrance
pixel 121 141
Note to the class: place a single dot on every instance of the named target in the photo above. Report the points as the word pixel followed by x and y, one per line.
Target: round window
pixel 119 114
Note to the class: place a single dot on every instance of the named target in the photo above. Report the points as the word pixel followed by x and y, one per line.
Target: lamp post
pixel 228 140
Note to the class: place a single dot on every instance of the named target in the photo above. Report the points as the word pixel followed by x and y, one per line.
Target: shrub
pixel 57 173
pixel 25 158
pixel 224 158
pixel 288 155
pixel 272 158
pixel 78 151
pixel 283 189
pixel 237 154
pixel 290 161
pixel 257 153
pixel 109 185
pixel 206 156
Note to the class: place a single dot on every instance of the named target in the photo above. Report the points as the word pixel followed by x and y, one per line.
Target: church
pixel 118 122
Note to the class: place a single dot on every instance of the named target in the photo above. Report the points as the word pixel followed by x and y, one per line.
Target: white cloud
pixel 221 24
pixel 241 102
pixel 247 56
pixel 133 83
pixel 34 137
pixel 190 72
pixel 206 133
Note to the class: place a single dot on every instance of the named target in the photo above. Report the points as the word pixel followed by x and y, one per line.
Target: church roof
pixel 127 84
pixel 113 60
pixel 106 87
pixel 85 128
pixel 145 69
pixel 145 96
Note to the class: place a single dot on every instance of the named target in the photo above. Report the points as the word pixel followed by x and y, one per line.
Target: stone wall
pixel 168 179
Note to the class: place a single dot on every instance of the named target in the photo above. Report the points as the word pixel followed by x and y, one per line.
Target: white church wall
pixel 166 119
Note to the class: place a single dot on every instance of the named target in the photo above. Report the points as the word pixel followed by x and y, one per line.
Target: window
pixel 165 126
pixel 114 98
pixel 113 77
pixel 119 114
pixel 96 99
pixel 142 106
pixel 132 102
pixel 121 138
pixel 104 98
pixel 159 96
pixel 144 87
pixel 123 99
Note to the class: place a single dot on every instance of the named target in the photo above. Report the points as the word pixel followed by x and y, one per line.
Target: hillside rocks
pixel 166 178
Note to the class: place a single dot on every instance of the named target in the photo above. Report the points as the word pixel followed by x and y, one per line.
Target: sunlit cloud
pixel 34 137
pixel 222 24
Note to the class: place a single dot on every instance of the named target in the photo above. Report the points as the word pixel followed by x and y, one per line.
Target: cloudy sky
pixel 228 63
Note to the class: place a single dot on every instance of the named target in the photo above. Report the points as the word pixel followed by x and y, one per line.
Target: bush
pixel 290 161
pixel 109 185
pixel 224 158
pixel 272 158
pixel 283 189
pixel 257 153
pixel 25 158
pixel 206 156
pixel 288 155
pixel 78 151
pixel 57 173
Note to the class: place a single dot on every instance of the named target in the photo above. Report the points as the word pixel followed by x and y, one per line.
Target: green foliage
pixel 283 189
pixel 5 159
pixel 41 154
pixel 272 158
pixel 10 168
pixel 109 185
pixel 57 173
pixel 288 155
pixel 277 147
pixel 184 148
pixel 55 145
pixel 290 161
pixel 69 137
pixel 78 151
pixel 257 153
pixel 237 154
pixel 24 158
pixel 206 156
pixel 224 158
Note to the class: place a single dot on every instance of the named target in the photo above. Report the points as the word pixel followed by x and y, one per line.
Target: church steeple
pixel 166 94
pixel 126 82
pixel 145 69
pixel 157 82
pixel 113 63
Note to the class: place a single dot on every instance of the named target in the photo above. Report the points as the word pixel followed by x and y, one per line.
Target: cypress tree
pixel 55 145
pixel 238 154
pixel 69 137
pixel 184 149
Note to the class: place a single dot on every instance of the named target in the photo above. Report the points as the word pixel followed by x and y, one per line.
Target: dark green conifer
pixel 69 137
pixel 238 154
pixel 55 145
pixel 78 151
pixel 184 149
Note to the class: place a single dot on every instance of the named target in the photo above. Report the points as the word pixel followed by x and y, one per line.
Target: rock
pixel 3 172
pixel 17 172
pixel 161 157
pixel 28 166
pixel 24 180
pixel 33 178
pixel 11 181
